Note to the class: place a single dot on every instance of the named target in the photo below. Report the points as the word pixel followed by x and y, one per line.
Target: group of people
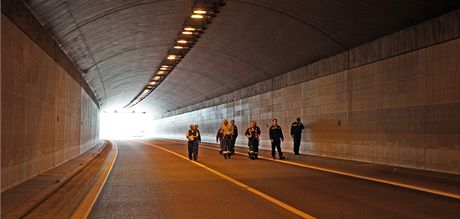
pixel 228 132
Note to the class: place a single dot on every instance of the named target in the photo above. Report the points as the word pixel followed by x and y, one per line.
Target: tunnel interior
pixel 372 81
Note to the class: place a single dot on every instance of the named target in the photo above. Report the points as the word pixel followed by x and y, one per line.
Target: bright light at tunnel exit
pixel 125 125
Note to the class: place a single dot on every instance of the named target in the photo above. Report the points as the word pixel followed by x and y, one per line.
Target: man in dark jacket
pixel 276 137
pixel 252 133
pixel 199 135
pixel 219 138
pixel 192 137
pixel 296 133
pixel 234 136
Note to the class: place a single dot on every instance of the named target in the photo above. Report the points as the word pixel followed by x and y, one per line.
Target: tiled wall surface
pixel 402 111
pixel 47 118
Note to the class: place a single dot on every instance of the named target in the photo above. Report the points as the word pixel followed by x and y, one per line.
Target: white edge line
pixel 240 184
pixel 407 186
pixel 84 209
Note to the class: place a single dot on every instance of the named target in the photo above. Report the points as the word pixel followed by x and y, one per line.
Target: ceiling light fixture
pixel 196 16
pixel 202 14
pixel 199 11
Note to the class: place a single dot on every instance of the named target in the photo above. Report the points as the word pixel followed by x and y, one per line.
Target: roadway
pixel 152 179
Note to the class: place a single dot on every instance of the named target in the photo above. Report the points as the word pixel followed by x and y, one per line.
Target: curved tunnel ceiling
pixel 118 44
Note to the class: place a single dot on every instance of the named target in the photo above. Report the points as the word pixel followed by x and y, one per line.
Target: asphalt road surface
pixel 150 182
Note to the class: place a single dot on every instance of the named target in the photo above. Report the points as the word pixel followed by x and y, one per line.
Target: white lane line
pixel 403 185
pixel 88 202
pixel 240 184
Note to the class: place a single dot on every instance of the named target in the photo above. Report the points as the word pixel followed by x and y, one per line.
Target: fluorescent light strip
pixel 199 11
pixel 196 16
pixel 165 69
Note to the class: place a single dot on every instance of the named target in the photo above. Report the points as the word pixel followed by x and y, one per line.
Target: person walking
pixel 276 137
pixel 253 133
pixel 296 133
pixel 227 130
pixel 234 136
pixel 192 137
pixel 198 139
pixel 220 139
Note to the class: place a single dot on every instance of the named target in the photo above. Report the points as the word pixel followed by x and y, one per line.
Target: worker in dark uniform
pixel 296 133
pixel 198 139
pixel 227 130
pixel 253 133
pixel 234 136
pixel 256 153
pixel 220 138
pixel 276 137
pixel 192 136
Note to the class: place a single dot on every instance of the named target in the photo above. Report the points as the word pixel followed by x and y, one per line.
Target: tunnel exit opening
pixel 125 125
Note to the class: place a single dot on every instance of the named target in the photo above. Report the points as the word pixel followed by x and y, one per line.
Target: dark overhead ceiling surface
pixel 119 44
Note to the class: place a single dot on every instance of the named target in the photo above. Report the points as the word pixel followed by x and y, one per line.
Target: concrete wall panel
pixel 403 110
pixel 42 109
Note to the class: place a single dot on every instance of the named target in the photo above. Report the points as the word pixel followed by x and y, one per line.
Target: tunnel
pixel 230 108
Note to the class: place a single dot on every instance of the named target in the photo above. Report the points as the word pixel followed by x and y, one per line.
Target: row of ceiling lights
pixel 192 29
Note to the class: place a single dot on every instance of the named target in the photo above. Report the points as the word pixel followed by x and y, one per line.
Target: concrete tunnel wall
pixel 393 101
pixel 47 117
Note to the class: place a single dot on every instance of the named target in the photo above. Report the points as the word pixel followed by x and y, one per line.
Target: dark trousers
pixel 253 147
pixel 193 150
pixel 296 143
pixel 232 145
pixel 276 143
pixel 227 142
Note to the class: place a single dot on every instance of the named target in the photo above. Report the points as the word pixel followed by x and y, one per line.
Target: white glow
pixel 196 16
pixel 199 11
pixel 125 125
